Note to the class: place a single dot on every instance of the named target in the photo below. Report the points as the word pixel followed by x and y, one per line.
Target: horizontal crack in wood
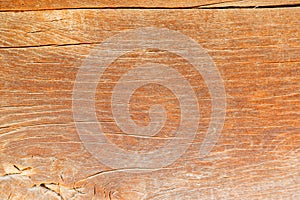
pixel 211 7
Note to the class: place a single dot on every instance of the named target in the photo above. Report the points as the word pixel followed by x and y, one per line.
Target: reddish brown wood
pixel 257 52
pixel 21 5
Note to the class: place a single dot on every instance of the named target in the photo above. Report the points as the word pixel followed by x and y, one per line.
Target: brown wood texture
pixel 7 5
pixel 257 52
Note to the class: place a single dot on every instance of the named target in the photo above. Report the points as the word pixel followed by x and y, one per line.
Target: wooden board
pixel 21 5
pixel 256 51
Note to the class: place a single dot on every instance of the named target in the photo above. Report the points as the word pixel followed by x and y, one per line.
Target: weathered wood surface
pixel 257 52
pixel 21 5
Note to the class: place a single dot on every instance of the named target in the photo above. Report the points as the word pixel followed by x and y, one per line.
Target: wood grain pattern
pixel 21 5
pixel 257 52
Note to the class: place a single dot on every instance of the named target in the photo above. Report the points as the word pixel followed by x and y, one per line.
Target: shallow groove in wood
pixel 203 7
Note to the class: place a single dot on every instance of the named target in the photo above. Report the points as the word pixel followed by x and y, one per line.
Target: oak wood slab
pixel 257 52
